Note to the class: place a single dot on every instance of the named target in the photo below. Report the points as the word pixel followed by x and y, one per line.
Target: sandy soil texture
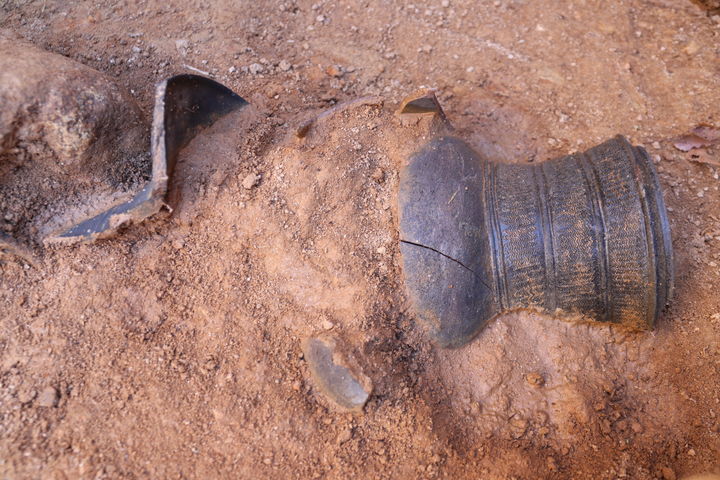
pixel 175 349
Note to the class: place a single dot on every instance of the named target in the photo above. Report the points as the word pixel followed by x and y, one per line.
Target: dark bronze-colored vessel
pixel 585 235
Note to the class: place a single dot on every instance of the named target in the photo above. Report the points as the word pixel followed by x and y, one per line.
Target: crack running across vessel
pixel 449 258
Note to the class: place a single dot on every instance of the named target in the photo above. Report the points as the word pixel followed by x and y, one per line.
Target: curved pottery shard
pixel 583 235
pixel 333 376
pixel 184 105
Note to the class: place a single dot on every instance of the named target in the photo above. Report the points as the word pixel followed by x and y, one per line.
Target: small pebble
pixel 381 250
pixel 334 71
pixel 668 473
pixel 49 397
pixel 692 48
pixel 535 379
pixel 250 181
pixel 344 436
pixel 182 46
pixel 256 68
pixel 284 65
pixel 210 365
pixel 519 427
pixel 378 175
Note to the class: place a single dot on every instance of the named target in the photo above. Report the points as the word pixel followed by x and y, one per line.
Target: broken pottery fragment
pixel 585 236
pixel 329 366
pixel 70 139
pixel 73 143
pixel 184 105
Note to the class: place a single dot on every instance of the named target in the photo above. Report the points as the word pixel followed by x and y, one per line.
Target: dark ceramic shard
pixel 333 376
pixel 184 105
pixel 444 242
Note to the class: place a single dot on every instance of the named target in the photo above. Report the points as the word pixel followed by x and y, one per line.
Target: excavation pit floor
pixel 174 349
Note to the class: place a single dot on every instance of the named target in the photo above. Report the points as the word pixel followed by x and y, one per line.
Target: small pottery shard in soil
pixel 332 374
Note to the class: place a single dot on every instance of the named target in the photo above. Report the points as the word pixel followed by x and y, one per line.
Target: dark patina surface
pixel 585 235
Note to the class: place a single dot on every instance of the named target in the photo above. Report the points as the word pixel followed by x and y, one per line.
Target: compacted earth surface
pixel 174 350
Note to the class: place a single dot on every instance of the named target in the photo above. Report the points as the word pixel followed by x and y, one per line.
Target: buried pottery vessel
pixel 583 236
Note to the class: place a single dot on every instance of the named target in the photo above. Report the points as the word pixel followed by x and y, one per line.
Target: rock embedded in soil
pixel 535 379
pixel 378 175
pixel 330 367
pixel 668 473
pixel 64 111
pixel 48 398
pixel 344 436
pixel 250 181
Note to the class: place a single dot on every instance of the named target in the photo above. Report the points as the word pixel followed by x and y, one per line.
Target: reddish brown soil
pixel 175 348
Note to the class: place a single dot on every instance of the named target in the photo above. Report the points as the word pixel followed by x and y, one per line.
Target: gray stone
pixel 49 397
